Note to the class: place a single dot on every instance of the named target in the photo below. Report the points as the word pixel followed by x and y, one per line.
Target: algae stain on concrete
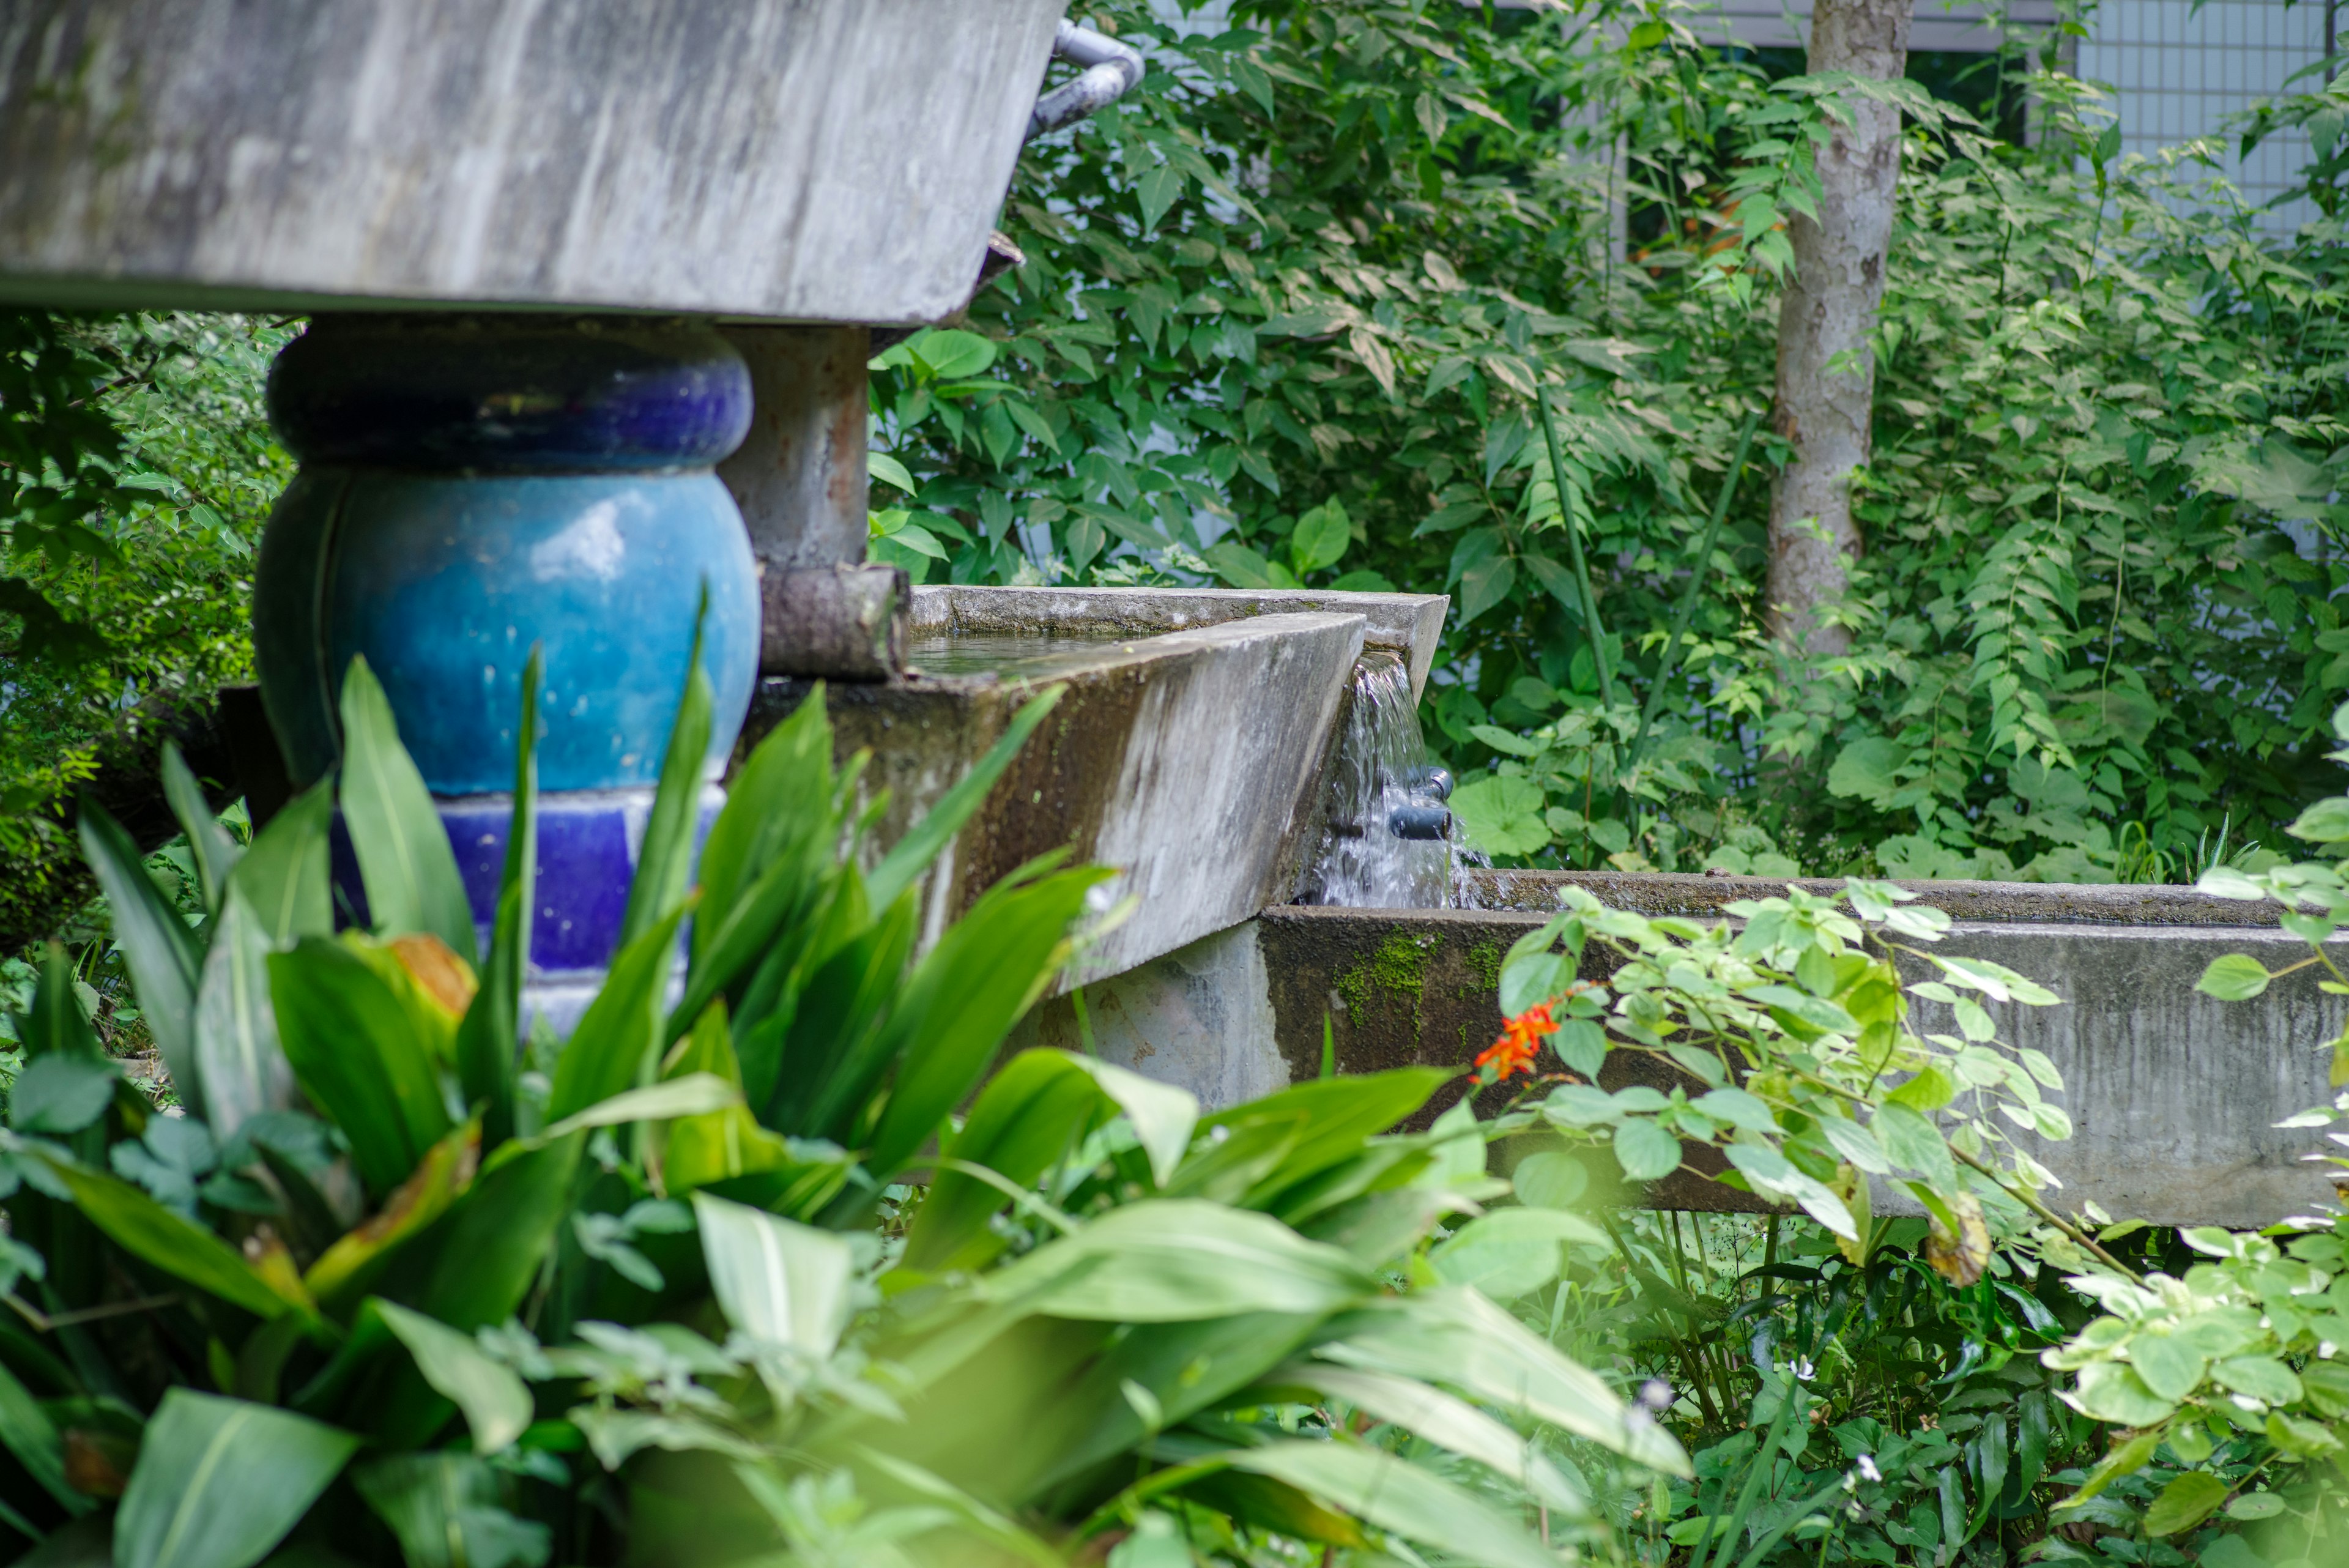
pixel 1394 977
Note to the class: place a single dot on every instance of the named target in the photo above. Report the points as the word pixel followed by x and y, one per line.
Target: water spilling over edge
pixel 1381 788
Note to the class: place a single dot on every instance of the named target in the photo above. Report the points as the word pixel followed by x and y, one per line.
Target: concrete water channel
pixel 593 289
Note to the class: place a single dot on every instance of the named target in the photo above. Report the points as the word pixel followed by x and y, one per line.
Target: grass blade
pixel 666 862
pixel 214 850
pixel 488 1044
pixel 163 955
pixel 911 854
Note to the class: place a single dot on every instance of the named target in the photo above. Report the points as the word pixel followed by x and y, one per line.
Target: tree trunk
pixel 1829 309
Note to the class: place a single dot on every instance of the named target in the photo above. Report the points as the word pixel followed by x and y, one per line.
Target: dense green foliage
pixel 1286 309
pixel 136 469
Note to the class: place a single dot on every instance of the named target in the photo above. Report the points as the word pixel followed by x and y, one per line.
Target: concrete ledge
pixel 1189 762
pixel 2172 1094
pixel 1407 624
pixel 2064 903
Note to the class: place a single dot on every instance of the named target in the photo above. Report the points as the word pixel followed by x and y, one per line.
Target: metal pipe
pixel 1110 69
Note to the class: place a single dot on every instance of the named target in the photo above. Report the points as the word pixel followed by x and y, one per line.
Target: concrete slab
pixel 1190 762
pixel 2173 1095
pixel 782 159
pixel 1407 624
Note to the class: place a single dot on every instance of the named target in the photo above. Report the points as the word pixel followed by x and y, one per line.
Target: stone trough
pixel 2172 1093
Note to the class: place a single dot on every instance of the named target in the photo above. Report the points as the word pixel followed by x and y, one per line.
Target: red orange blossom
pixel 1519 1043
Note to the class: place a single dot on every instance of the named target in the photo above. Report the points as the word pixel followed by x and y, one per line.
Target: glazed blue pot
pixel 472 488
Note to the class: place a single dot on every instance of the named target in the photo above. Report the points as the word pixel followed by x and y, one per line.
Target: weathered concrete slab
pixel 1407 624
pixel 1187 762
pixel 2173 1095
pixel 783 159
pixel 2035 903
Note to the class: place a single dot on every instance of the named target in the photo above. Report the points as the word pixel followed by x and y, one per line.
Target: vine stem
pixel 2029 1200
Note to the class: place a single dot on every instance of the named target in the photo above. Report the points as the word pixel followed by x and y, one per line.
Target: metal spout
pixel 1420 822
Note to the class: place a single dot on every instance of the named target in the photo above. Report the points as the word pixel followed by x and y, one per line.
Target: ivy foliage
pixel 1315 268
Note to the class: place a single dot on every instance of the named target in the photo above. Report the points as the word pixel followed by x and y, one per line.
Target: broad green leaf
pixel 209 843
pixel 145 1229
pixel 1551 1178
pixel 1645 1151
pixel 690 1094
pixel 887 470
pixel 783 1283
pixel 362 1051
pixel 446 1510
pixel 1502 814
pixel 2170 1363
pixel 912 854
pixel 1855 1144
pixel 1459 1340
pixel 2326 822
pixel 56 1023
pixel 356 1258
pixel 60 1092
pixel 2234 977
pixel 1389 1491
pixel 778 810
pixel 617 1041
pixel 1159 190
pixel 2185 1503
pixel 2109 1391
pixel 665 864
pixel 1163 1115
pixel 1774 1176
pixel 239 1061
pixel 1321 539
pixel 219 1481
pixel 953 355
pixel 1032 1114
pixel 1435 1416
pixel 495 1400
pixel 403 850
pixel 284 872
pixel 716 1146
pixel 1512 1252
pixel 1911 1141
pixel 1178 1260
pixel 2261 1376
pixel 1336 1114
pixel 163 956
pixel 491 1246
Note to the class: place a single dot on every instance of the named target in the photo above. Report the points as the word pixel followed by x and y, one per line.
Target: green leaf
pixel 1389 1491
pixel 403 850
pixel 446 1511
pixel 219 1481
pixel 1501 815
pixel 209 843
pixel 495 1400
pixel 911 854
pixel 1458 1339
pixel 33 1438
pixel 1336 1115
pixel 1159 190
pixel 284 872
pixel 241 1066
pixel 1864 770
pixel 1176 1260
pixel 959 1004
pixel 359 1050
pixel 1485 584
pixel 2185 1503
pixel 1910 1140
pixel 1513 1252
pixel 60 1093
pixel 2234 977
pixel 145 1229
pixel 2261 1376
pixel 2109 1391
pixel 780 1282
pixel 953 355
pixel 1321 539
pixel 488 1251
pixel 886 470
pixel 616 1041
pixel 487 1046
pixel 1239 565
pixel 1646 1151
pixel 2326 822
pixel 161 953
pixel 1772 1175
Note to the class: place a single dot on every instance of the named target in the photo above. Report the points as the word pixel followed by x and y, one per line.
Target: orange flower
pixel 1519 1043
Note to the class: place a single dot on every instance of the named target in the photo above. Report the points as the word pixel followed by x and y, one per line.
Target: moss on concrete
pixel 1395 977
pixel 1484 964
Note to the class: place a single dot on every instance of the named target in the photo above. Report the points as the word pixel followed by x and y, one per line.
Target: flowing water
pixel 1387 839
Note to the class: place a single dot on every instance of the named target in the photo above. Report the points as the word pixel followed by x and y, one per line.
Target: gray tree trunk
pixel 1829 309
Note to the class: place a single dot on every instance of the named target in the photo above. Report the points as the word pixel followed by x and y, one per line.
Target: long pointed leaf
pixel 359 1051
pixel 412 883
pixel 495 1400
pixel 616 1041
pixel 219 1481
pixel 242 1067
pixel 145 1229
pixel 284 873
pixel 912 854
pixel 162 954
pixel 1399 1497
pixel 779 806
pixel 784 1283
pixel 488 1044
pixel 666 862
pixel 34 1438
pixel 214 851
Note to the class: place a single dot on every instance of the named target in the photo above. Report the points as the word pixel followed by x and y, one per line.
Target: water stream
pixel 1387 837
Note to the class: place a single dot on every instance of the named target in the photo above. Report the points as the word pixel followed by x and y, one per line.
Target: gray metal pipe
pixel 1111 69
